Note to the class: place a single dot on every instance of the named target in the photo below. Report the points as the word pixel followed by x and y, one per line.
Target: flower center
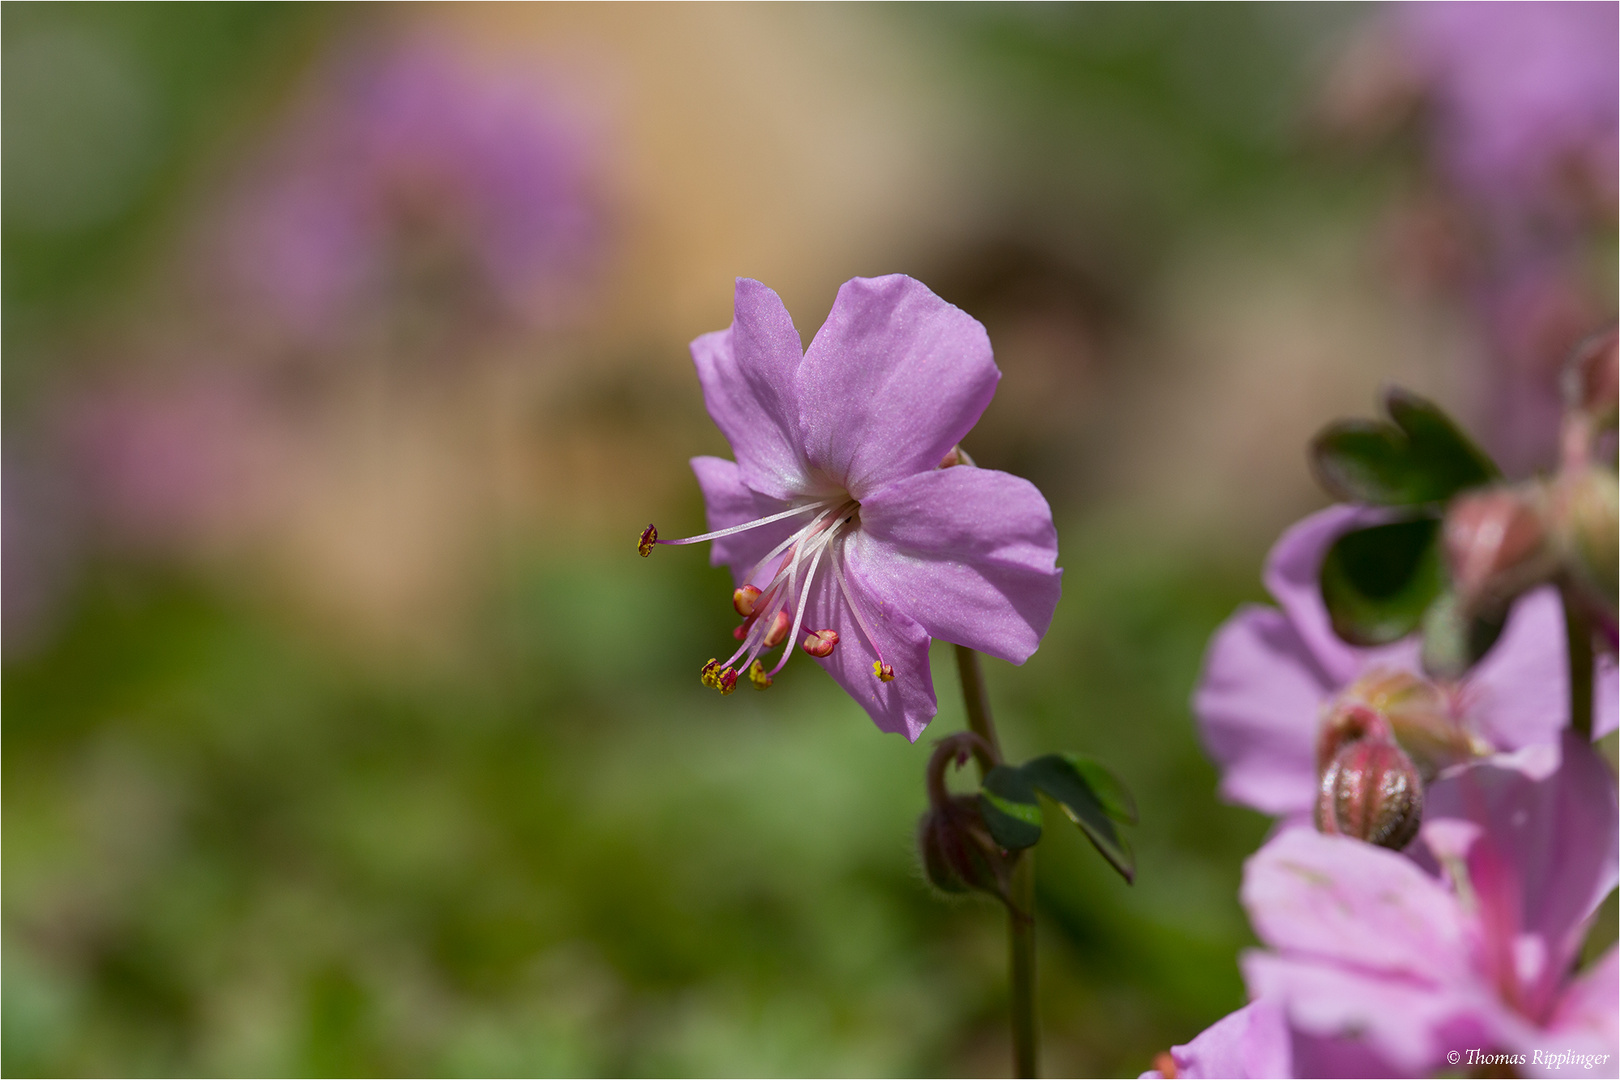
pixel 774 612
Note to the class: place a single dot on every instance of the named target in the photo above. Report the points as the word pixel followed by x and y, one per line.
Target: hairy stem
pixel 1021 905
pixel 1578 632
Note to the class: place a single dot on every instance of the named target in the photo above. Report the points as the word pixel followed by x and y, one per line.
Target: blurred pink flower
pixel 165 464
pixel 415 171
pixel 1384 961
pixel 1271 674
pixel 838 471
pixel 1524 96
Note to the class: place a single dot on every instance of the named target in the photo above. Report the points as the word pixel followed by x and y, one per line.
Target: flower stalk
pixel 1021 899
pixel 1578 632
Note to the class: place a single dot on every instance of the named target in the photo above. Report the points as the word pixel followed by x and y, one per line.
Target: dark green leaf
pixel 1454 642
pixel 1054 770
pixel 1417 457
pixel 1377 582
pixel 1010 808
pixel 1092 809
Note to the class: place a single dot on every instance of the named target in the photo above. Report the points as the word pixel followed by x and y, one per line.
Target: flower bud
pixel 1371 791
pixel 1592 534
pixel 1399 707
pixel 820 643
pixel 1495 542
pixel 958 853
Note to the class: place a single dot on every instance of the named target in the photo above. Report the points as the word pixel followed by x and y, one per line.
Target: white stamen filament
pixel 849 598
pixel 745 526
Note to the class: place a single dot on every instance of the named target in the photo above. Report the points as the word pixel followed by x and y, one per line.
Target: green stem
pixel 1021 905
pixel 1021 943
pixel 1578 632
pixel 977 700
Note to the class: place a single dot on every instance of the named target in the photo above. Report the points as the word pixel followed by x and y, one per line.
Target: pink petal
pixel 1257 706
pixel 1341 900
pixel 903 705
pixel 967 553
pixel 748 373
pixel 1518 695
pixel 1555 828
pixel 727 501
pixel 1292 576
pixel 1252 1042
pixel 894 379
pixel 1408 1024
pixel 1586 1016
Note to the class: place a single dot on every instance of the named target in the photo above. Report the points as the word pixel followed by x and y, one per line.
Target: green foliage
pixel 1418 457
pixel 1377 582
pixel 1094 799
pixel 1011 810
pixel 1454 642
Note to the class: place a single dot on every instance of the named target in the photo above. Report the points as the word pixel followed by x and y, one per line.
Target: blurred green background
pixel 344 732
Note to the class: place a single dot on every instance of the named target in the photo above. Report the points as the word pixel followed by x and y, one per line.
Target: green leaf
pixel 1010 808
pixel 1053 770
pixel 1454 642
pixel 1094 799
pixel 1377 582
pixel 1415 458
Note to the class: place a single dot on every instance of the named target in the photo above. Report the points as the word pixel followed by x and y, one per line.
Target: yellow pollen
pixel 710 676
pixel 759 676
pixel 649 537
pixel 883 671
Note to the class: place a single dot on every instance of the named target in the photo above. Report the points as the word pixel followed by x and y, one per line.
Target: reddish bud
pixel 1371 791
pixel 759 676
pixel 649 537
pixel 779 630
pixel 1399 707
pixel 1496 545
pixel 820 643
pixel 743 599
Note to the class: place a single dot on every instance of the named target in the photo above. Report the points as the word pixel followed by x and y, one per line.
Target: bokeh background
pixel 345 356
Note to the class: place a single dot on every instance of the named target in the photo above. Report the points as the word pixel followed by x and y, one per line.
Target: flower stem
pixel 1021 903
pixel 1021 941
pixel 1578 632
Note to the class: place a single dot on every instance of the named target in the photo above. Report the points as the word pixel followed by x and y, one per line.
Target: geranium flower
pixel 1392 963
pixel 841 518
pixel 1382 965
pixel 1273 675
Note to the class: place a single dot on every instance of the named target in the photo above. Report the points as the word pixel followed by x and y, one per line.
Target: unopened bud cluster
pixel 958 853
pixel 1380 741
pixel 1505 540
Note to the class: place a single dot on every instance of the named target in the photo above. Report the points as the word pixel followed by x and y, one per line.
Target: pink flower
pixel 1271 675
pixel 838 519
pixel 1384 961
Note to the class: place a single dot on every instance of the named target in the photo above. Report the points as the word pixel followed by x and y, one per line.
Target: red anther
pixel 728 681
pixel 710 675
pixel 649 537
pixel 820 643
pixel 740 631
pixel 883 671
pixel 779 630
pixel 759 676
pixel 743 599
